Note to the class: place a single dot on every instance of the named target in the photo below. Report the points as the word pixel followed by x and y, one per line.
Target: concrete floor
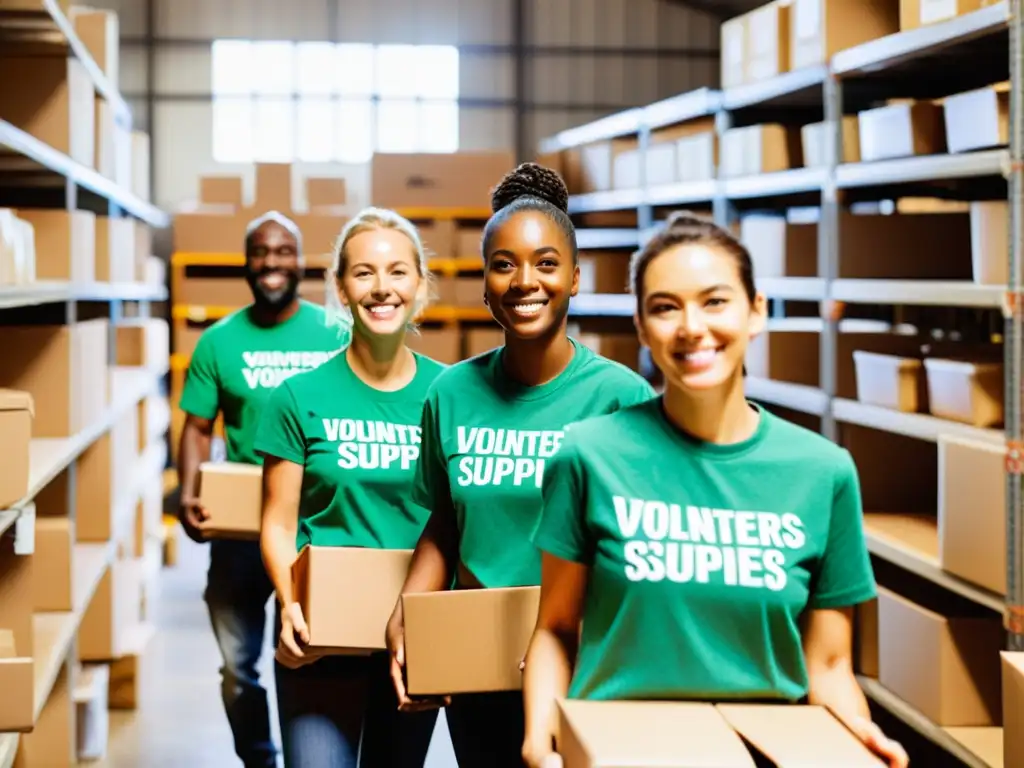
pixel 180 720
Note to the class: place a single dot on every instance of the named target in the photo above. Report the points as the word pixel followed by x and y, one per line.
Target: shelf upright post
pixel 828 248
pixel 722 209
pixel 1013 343
pixel 645 211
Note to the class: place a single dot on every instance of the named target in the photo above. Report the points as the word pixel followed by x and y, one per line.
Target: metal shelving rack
pixel 33 174
pixel 972 50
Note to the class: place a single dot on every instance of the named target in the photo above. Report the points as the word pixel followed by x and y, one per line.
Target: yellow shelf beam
pixel 442 265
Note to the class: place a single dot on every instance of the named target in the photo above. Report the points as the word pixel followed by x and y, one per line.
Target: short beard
pixel 273 300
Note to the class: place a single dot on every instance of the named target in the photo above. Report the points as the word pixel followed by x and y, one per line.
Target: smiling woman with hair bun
pixel 524 393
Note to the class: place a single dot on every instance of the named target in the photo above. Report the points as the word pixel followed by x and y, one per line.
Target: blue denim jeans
pixel 237 590
pixel 341 711
pixel 487 729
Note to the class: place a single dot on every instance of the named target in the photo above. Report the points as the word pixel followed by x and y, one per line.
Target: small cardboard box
pixel 348 594
pixel 232 495
pixel 702 735
pixel 978 119
pixel 467 640
pixel 16 414
pixel 901 130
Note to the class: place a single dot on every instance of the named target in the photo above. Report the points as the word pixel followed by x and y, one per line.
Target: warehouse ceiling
pixel 723 9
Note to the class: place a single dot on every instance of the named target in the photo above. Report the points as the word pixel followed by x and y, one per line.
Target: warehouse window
pixel 323 102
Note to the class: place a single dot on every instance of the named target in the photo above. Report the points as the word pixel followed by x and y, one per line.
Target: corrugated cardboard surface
pixel 634 733
pixel 347 595
pixel 1013 709
pixel 703 735
pixel 16 409
pixel 17 672
pixel 458 180
pixel 469 640
pixel 232 495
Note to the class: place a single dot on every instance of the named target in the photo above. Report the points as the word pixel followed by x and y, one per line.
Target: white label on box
pixel 808 18
pixel 937 10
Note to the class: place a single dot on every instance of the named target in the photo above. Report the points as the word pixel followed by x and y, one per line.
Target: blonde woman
pixel 325 484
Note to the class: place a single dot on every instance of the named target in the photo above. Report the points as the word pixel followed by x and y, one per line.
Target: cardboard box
pixel 325 192
pixel 779 248
pixel 933 246
pixel 626 169
pixel 17 680
pixel 56 589
pixel 990 242
pixel 273 188
pixel 221 190
pixel 232 495
pixel 786 352
pixel 469 243
pixel 456 180
pixel 440 344
pixel 697 157
pixel 819 29
pixel 347 595
pixel 901 130
pixel 63 368
pixel 1013 708
pixel 978 119
pixel 972 511
pixel 480 340
pixel 733 44
pixel 813 138
pixel 438 237
pixel 100 32
pixel 115 250
pixel 919 13
pixel 51 99
pixel 767 53
pixel 201 232
pixel 604 272
pixel 143 342
pixel 320 232
pixel 467 640
pixel 623 348
pixel 113 613
pixel 606 733
pixel 16 414
pixel 944 666
pixel 65 244
pixel 757 149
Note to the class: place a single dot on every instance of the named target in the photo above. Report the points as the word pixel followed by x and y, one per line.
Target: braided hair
pixel 531 187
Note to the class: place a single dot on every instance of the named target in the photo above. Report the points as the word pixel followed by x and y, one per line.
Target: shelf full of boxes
pixel 82 417
pixel 862 152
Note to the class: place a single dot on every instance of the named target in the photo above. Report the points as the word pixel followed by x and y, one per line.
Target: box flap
pixel 16 400
pixel 647 733
pixel 229 468
pixel 795 736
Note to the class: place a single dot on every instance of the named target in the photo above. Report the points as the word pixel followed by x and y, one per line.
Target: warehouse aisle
pixel 180 720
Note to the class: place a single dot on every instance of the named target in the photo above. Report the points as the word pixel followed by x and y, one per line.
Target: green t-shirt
pixel 487 440
pixel 358 447
pixel 237 364
pixel 702 557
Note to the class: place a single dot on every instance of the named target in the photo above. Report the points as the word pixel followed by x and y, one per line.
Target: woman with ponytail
pixel 528 391
pixel 324 485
